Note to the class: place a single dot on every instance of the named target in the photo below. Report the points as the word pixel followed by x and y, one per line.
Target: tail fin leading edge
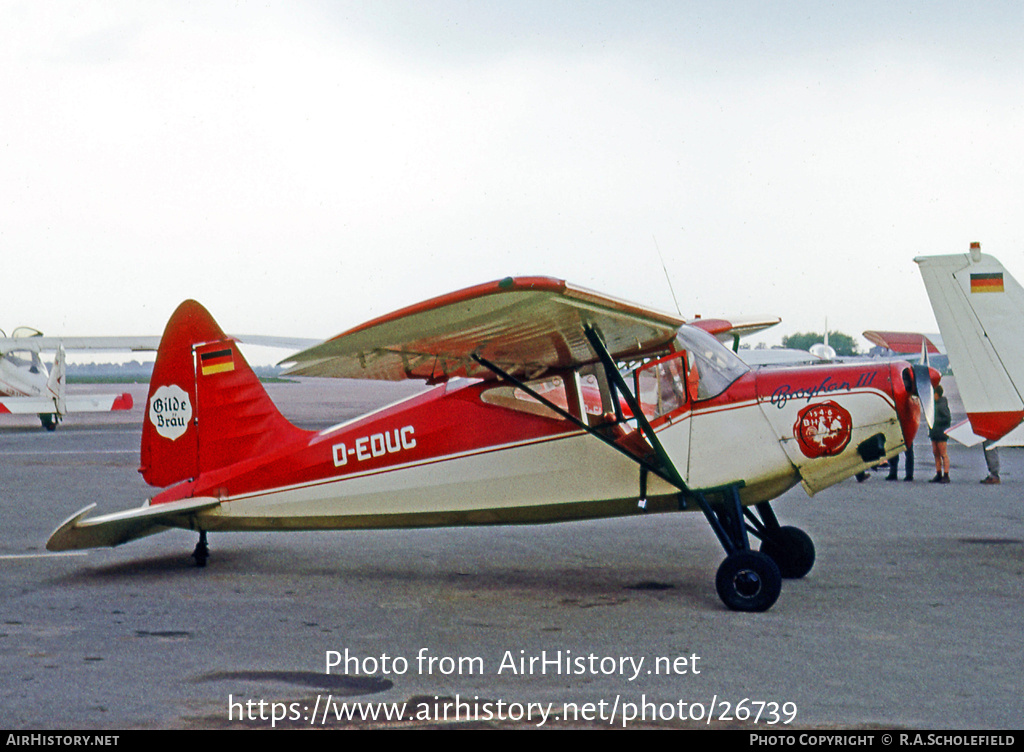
pixel 206 407
pixel 979 308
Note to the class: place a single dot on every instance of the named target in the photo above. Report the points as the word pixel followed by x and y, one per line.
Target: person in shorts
pixel 937 434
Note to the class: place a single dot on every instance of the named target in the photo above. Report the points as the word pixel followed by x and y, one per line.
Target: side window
pixel 661 386
pixel 514 398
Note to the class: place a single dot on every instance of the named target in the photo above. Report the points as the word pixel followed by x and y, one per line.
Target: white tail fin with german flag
pixel 979 308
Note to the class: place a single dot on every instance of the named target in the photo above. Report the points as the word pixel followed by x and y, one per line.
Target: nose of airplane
pixel 906 396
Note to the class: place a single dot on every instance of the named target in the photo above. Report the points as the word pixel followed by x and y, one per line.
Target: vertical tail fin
pixel 57 380
pixel 206 408
pixel 979 307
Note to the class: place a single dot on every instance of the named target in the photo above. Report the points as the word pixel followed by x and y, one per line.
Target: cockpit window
pixel 716 366
pixel 661 386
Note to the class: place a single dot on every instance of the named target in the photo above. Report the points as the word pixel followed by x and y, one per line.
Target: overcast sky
pixel 300 167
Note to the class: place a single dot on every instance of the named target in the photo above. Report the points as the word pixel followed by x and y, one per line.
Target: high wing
pixel 48 344
pixel 731 329
pixel 525 325
pixel 906 343
pixel 134 344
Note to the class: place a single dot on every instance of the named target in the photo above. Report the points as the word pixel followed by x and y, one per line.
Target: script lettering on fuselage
pixel 785 393
pixel 374 445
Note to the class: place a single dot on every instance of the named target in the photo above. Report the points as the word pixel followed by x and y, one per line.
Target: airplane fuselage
pixel 22 378
pixel 485 453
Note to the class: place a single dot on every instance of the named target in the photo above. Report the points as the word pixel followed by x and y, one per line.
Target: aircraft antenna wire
pixel 667 278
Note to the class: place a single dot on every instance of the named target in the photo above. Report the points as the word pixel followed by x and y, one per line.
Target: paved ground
pixel 911 617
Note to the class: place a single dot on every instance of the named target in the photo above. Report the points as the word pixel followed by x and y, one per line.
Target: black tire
pixel 792 550
pixel 49 421
pixel 748 581
pixel 201 552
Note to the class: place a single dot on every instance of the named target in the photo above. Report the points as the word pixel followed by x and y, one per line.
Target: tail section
pixel 56 382
pixel 979 307
pixel 206 408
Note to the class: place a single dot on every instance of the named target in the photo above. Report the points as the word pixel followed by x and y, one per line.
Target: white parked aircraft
pixel 28 387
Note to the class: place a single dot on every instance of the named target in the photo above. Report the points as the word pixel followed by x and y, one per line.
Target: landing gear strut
pixel 790 547
pixel 202 551
pixel 752 580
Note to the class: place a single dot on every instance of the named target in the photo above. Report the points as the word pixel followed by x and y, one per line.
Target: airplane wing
pixel 906 343
pixel 134 344
pixel 525 325
pixel 48 344
pixel 79 531
pixel 727 330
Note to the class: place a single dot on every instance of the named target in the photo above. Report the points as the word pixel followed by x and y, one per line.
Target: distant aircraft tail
pixel 979 307
pixel 57 381
pixel 206 408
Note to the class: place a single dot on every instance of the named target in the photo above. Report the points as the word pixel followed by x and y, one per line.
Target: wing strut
pixel 726 521
pixel 643 425
pixel 662 464
pixel 645 464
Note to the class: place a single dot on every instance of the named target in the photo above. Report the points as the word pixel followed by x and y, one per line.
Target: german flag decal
pixel 987 282
pixel 218 361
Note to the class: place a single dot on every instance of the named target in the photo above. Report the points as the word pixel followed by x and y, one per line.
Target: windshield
pixel 717 366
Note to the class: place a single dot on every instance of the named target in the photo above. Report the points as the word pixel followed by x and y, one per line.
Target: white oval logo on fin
pixel 170 411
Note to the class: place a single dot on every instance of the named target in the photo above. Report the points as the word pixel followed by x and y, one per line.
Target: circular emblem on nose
pixel 823 429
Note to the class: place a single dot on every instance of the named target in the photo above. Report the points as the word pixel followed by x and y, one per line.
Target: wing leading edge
pixel 525 325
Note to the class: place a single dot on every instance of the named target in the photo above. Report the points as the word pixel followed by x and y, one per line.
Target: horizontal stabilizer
pixel 76 403
pixel 27 405
pixel 98 403
pixel 79 532
pixel 964 434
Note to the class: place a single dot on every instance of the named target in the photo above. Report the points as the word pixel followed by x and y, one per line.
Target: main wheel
pixel 792 550
pixel 748 581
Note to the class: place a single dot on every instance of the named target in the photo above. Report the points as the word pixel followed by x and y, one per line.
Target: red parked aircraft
pixel 551 403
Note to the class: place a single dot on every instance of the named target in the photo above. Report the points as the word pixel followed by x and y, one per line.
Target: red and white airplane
pixel 27 387
pixel 551 403
pixel 979 308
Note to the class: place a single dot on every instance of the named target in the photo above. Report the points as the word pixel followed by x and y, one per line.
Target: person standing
pixel 937 434
pixel 894 463
pixel 992 461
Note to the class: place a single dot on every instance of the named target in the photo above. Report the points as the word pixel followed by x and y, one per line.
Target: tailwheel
pixel 748 581
pixel 792 550
pixel 202 551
